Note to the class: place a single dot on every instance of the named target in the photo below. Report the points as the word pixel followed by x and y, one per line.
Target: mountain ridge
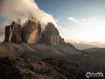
pixel 32 33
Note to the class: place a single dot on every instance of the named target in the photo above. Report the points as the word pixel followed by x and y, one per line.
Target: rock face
pixel 31 32
pixel 51 36
pixel 13 33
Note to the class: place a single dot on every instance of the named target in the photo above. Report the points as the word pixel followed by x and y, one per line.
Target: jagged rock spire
pixel 12 33
pixel 31 31
pixel 51 36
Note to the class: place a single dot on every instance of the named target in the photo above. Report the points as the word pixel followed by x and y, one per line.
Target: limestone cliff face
pixel 51 36
pixel 31 32
pixel 61 41
pixel 13 33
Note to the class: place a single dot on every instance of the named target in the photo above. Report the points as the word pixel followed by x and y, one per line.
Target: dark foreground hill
pixel 33 53
pixel 22 61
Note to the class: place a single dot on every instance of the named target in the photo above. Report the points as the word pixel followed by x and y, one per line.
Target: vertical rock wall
pixel 13 33
pixel 31 31
pixel 51 36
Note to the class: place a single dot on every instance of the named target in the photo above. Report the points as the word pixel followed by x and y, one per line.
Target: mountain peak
pixel 31 33
pixel 51 35
pixel 12 33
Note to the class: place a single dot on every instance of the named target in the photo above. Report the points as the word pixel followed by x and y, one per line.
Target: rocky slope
pixel 27 69
pixel 40 61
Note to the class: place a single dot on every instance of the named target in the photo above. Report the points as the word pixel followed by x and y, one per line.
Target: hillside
pixel 37 62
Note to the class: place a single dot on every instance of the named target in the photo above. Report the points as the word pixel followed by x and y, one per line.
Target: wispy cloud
pixel 82 20
pixel 56 20
pixel 61 28
pixel 90 29
pixel 91 19
pixel 73 20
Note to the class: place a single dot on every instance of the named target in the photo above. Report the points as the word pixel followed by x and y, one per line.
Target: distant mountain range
pixel 95 49
pixel 82 46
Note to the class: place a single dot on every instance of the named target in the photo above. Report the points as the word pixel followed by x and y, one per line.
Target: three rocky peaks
pixel 31 33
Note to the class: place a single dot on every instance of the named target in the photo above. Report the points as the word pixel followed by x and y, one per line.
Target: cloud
pixel 61 28
pixel 91 29
pixel 22 9
pixel 83 19
pixel 56 21
pixel 91 19
pixel 73 20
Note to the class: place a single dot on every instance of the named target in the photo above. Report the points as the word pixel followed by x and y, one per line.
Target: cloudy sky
pixel 77 20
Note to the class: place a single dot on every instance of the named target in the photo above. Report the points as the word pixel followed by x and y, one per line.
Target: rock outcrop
pixel 13 33
pixel 51 36
pixel 31 31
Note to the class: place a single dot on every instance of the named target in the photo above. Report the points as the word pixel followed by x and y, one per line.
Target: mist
pixel 22 9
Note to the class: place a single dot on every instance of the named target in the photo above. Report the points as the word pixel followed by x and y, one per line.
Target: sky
pixel 80 21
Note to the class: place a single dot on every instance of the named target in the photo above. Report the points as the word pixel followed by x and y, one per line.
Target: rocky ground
pixel 26 63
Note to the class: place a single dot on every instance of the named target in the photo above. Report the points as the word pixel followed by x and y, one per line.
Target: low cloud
pixel 22 9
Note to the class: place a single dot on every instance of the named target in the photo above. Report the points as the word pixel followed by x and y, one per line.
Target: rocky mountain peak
pixel 13 33
pixel 51 36
pixel 50 28
pixel 31 31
